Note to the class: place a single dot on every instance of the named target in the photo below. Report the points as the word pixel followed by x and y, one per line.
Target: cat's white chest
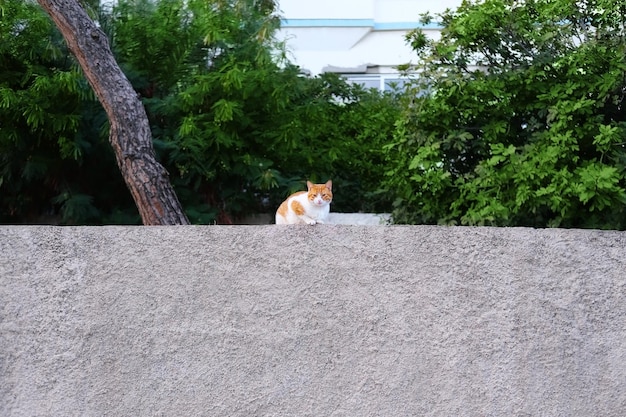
pixel 317 209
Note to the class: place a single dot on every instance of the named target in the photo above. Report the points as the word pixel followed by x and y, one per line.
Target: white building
pixel 361 39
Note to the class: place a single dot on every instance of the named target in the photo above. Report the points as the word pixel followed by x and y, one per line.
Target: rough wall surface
pixel 311 321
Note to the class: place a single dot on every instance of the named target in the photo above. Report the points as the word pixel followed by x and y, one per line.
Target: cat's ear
pixel 329 185
pixel 309 184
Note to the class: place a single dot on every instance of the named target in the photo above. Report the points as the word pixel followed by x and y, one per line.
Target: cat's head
pixel 320 194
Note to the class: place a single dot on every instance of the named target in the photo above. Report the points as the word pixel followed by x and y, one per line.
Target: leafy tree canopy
pixel 519 118
pixel 49 126
pixel 236 125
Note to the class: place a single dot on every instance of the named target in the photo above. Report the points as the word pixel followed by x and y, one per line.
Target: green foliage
pixel 523 121
pixel 49 125
pixel 236 126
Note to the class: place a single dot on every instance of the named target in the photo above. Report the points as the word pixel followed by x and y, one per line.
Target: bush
pixel 523 124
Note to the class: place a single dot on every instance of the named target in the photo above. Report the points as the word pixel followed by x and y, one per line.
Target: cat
pixel 308 207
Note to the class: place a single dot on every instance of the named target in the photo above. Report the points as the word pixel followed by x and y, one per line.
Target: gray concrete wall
pixel 311 321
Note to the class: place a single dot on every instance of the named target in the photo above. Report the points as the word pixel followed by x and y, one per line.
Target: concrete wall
pixel 327 320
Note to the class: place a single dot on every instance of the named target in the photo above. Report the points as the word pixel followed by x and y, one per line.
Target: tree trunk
pixel 130 134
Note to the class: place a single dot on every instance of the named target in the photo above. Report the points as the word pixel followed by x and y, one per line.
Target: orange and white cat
pixel 307 207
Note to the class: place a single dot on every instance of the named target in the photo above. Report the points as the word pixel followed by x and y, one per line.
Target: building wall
pixel 354 36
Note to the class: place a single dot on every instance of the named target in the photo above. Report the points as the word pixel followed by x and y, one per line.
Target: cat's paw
pixel 319 221
pixel 311 222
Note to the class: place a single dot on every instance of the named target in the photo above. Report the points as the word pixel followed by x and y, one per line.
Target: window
pixel 382 82
pixel 394 84
pixel 367 81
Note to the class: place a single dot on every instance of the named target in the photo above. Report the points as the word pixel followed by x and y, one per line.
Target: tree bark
pixel 130 134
